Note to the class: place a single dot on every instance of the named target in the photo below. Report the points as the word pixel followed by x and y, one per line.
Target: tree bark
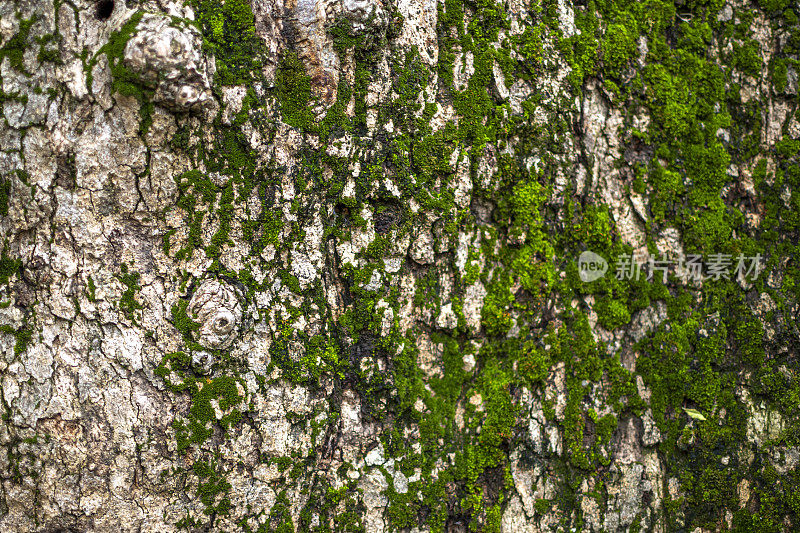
pixel 394 265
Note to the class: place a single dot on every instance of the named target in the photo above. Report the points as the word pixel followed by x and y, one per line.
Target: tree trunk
pixel 392 265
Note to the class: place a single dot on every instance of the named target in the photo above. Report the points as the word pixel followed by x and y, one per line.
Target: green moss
pixel 293 87
pixel 8 266
pixel 182 321
pixel 127 302
pixel 5 192
pixel 773 6
pixel 201 418
pixel 747 58
pixel 612 314
pixel 522 254
pixel 23 336
pixel 124 81
pixel 280 516
pixel 211 485
pixel 619 46
pixel 49 56
pixel 15 47
pixel 91 289
pixel 779 75
pixel 229 31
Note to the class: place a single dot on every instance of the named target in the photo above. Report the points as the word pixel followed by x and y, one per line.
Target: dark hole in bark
pixel 385 221
pixel 481 209
pixel 66 171
pixel 388 216
pixel 589 432
pixel 104 9
pixel 342 216
pixel 222 325
pixel 457 525
pixel 365 347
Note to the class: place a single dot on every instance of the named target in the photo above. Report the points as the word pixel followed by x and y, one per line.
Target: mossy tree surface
pixel 398 201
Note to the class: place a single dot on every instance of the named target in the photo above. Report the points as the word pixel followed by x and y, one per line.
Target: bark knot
pixel 216 307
